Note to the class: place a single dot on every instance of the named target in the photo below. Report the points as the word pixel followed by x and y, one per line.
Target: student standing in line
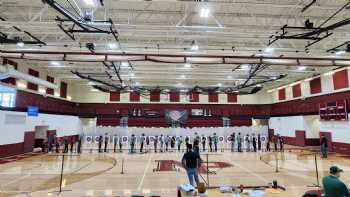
pixel 132 143
pixel 147 143
pixel 65 145
pixel 254 142
pixel 155 143
pixel 71 144
pixel 268 145
pixel 259 142
pixel 233 140
pixel 179 142
pixel 187 142
pixel 106 142
pixel 239 142
pixel 120 141
pixel 215 139
pixel 100 144
pixel 196 144
pixel 281 142
pixel 167 140
pixel 161 141
pixel 247 140
pixel 57 144
pixel 172 143
pixel 142 141
pixel 203 142
pixel 275 141
pixel 324 146
pixel 210 143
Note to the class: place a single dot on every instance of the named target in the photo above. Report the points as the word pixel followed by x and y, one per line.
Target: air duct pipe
pixel 9 71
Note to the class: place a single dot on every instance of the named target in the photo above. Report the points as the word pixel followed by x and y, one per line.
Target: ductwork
pixel 9 71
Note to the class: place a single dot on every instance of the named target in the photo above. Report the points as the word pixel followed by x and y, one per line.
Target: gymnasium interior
pixel 107 98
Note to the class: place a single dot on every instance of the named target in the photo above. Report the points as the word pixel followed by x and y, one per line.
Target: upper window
pixel 7 96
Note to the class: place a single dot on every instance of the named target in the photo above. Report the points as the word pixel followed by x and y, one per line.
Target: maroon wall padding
pixel 340 79
pixel 107 121
pixel 29 139
pixel 343 148
pixel 11 149
pixel 32 86
pixel 282 94
pixel 134 97
pixel 63 90
pixel 232 98
pixel 312 142
pixel 45 104
pixel 213 97
pixel 300 138
pixel 174 97
pixel 296 90
pixel 154 96
pixel 328 135
pixel 10 80
pixel 194 97
pixel 271 133
pixel 114 96
pixel 50 90
pixel 315 86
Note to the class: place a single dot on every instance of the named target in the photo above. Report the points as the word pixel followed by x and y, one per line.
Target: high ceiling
pixel 231 28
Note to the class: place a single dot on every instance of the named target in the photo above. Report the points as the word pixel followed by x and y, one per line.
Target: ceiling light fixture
pixel 301 68
pixel 124 64
pixel 269 50
pixel 55 63
pixel 89 2
pixel 187 65
pixel 244 66
pixel 205 12
pixel 20 44
pixel 112 45
pixel 340 52
pixel 194 46
pixel 219 84
pixel 229 77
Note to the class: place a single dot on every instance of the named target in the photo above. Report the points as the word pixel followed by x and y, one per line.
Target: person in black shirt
pixel 196 144
pixel 203 142
pixel 324 147
pixel 65 145
pixel 254 142
pixel 281 141
pixel 100 139
pixel 106 142
pixel 259 142
pixel 190 162
pixel 210 139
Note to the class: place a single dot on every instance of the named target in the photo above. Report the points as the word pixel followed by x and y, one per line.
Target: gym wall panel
pixel 282 94
pixel 340 79
pixel 63 89
pixel 50 90
pixel 32 86
pixel 296 90
pixel 174 97
pixel 134 97
pixel 232 98
pixel 194 97
pixel 155 96
pixel 315 86
pixel 213 97
pixel 114 96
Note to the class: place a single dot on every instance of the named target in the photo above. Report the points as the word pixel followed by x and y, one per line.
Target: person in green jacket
pixel 333 187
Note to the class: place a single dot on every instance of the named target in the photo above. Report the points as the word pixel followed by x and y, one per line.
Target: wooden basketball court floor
pixel 94 174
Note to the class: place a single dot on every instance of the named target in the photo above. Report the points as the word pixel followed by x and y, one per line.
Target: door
pixel 28 144
pixel 300 138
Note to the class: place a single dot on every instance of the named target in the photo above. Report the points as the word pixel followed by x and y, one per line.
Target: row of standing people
pixel 54 144
pixel 167 143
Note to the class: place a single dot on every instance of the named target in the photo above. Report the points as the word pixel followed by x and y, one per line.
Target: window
pixel 7 96
pixel 124 121
pixel 226 122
